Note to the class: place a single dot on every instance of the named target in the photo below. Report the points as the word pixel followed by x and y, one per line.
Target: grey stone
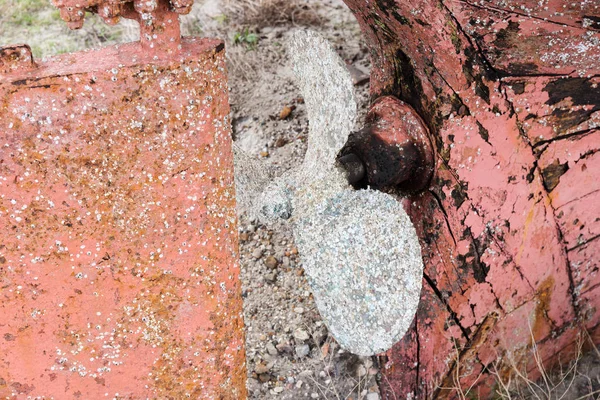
pixel 302 351
pixel 271 349
pixel 271 277
pixel 257 253
pixel 301 335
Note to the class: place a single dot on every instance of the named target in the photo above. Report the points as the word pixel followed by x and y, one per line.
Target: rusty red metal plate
pixel 118 253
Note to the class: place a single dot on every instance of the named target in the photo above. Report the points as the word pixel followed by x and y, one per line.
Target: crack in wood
pixel 565 136
pixel 468 354
pixel 441 206
pixel 440 296
pixel 512 12
pixel 588 240
pixel 418 384
pixel 579 198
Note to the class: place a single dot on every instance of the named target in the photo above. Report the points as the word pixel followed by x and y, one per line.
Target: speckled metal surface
pixel 118 253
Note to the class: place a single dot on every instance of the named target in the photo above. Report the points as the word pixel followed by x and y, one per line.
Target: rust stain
pixel 467 357
pixel 541 323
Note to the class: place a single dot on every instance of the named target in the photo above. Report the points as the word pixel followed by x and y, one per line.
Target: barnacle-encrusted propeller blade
pixel 358 247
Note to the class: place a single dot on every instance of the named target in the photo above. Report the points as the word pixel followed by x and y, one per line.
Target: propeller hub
pixel 394 147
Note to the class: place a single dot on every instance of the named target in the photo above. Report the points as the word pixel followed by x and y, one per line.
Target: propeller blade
pixel 328 93
pixel 362 258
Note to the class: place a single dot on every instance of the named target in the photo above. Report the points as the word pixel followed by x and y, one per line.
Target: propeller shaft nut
pixel 394 147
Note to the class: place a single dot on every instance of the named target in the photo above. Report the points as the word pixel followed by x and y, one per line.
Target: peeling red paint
pixel 509 225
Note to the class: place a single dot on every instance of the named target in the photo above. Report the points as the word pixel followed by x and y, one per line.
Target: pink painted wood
pixel 510 224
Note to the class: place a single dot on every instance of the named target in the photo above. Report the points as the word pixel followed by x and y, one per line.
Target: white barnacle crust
pixel 359 248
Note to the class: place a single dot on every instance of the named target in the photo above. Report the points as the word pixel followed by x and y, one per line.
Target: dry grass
pixel 579 380
pixel 37 23
pixel 262 13
pixel 330 387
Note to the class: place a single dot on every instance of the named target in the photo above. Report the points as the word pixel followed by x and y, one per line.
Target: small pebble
pixel 256 254
pixel 262 368
pixel 299 310
pixel 278 389
pixel 270 277
pixel 301 335
pixel 271 262
pixel 373 396
pixel 302 350
pixel 284 348
pixel 285 112
pixel 271 349
pixel 280 142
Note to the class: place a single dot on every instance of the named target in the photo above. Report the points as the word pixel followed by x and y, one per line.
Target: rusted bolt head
pixel 182 6
pixel 110 13
pixel 73 16
pixel 394 147
pixel 16 58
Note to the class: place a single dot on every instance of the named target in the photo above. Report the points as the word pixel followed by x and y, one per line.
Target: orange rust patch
pixel 542 325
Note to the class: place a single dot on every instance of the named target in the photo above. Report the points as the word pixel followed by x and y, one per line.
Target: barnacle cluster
pixel 73 11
